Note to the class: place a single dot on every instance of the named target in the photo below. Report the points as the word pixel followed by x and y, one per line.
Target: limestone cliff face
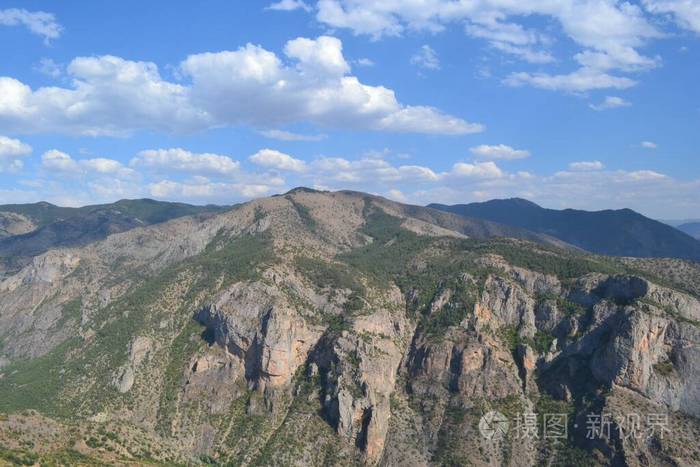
pixel 257 325
pixel 340 329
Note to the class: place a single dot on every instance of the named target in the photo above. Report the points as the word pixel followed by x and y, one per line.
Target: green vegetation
pixel 540 343
pixel 391 251
pixel 182 348
pixel 665 368
pixel 565 265
pixel 148 210
pixel 259 214
pixel 330 275
pixel 461 303
pixel 36 383
pixel 63 457
pixel 41 383
pixel 303 212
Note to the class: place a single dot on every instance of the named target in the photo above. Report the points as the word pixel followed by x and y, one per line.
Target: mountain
pixel 340 328
pixel 691 228
pixel 611 232
pixel 32 229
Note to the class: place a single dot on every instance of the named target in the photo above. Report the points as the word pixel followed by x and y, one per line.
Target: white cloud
pixel 642 175
pixel 110 96
pixel 584 185
pixel 291 136
pixel 13 148
pixel 527 54
pixel 289 5
pixel 369 170
pixel 586 165
pixel 610 102
pixel 477 170
pixel 396 195
pixel 48 67
pixel 499 151
pixel 426 58
pixel 252 85
pixel 648 145
pixel 249 86
pixel 181 160
pixel 685 12
pixel 207 191
pixel 608 33
pixel 580 80
pixel 11 153
pixel 277 160
pixel 364 62
pixel 59 163
pixel 38 22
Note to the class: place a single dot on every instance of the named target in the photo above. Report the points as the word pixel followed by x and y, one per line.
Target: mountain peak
pixel 620 232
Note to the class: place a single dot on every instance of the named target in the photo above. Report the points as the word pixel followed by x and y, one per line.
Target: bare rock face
pixel 533 282
pixel 360 370
pixel 256 323
pixel 386 353
pixel 508 305
pixel 654 356
pixel 138 352
pixel 14 224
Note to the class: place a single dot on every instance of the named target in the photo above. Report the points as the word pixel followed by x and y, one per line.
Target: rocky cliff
pixel 340 329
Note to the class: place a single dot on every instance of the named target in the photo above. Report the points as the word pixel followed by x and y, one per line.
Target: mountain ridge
pixel 621 232
pixel 39 227
pixel 336 328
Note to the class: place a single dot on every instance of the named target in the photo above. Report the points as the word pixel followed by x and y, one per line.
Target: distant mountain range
pixel 691 228
pixel 28 230
pixel 620 232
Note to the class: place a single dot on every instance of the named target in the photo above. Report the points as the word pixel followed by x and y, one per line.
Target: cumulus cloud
pixel 427 58
pixel 477 170
pixel 649 145
pixel 205 190
pixel 610 102
pixel 609 34
pixel 40 23
pixel 273 159
pixel 60 163
pixel 499 151
pixel 11 153
pixel 181 160
pixel 685 12
pixel 289 5
pixel 584 184
pixel 580 80
pixel 12 148
pixel 249 86
pixel 291 136
pixel 367 169
pixel 254 86
pixel 586 165
pixel 110 96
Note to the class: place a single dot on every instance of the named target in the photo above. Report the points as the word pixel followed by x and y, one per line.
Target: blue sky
pixel 589 104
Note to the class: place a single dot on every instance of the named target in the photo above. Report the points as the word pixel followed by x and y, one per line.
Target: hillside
pixel 611 232
pixel 339 328
pixel 28 230
pixel 691 228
